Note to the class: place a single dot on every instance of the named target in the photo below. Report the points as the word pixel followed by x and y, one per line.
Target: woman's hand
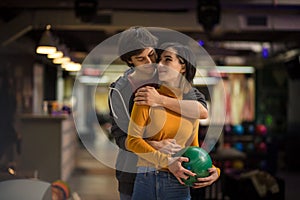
pixel 167 146
pixel 175 167
pixel 203 182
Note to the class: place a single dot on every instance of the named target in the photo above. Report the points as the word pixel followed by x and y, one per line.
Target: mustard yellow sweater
pixel 158 123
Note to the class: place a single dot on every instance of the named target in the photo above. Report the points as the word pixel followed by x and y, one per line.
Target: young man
pixel 137 48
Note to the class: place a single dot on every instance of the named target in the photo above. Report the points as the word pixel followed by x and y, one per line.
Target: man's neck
pixel 141 76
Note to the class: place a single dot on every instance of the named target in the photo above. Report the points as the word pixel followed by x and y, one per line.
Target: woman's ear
pixel 183 69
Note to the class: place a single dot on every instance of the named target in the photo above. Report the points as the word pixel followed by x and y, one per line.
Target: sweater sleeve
pixel 218 170
pixel 135 141
pixel 195 94
pixel 195 141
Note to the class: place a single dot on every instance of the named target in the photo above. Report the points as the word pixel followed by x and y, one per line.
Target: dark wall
pixel 50 79
pixel 19 69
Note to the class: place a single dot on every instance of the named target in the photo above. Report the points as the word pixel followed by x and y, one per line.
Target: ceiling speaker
pixel 86 10
pixel 208 13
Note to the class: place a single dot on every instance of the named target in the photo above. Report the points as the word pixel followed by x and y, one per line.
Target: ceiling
pixel 276 22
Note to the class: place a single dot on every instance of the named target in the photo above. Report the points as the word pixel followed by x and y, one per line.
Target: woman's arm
pixel 136 142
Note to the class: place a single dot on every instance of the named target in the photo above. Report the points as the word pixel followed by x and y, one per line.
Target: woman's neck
pixel 182 84
pixel 171 84
pixel 176 83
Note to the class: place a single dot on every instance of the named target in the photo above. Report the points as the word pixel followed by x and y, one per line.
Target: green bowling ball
pixel 199 163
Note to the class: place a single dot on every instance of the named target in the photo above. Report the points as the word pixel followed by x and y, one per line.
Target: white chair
pixel 25 189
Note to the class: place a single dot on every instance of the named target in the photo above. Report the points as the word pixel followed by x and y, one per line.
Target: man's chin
pixel 150 71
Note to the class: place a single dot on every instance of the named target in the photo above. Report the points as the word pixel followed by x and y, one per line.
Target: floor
pixel 93 180
pixel 292 184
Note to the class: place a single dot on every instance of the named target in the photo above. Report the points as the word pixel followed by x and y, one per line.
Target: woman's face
pixel 169 68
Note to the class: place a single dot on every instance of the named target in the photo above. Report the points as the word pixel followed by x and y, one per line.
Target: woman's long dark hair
pixel 185 56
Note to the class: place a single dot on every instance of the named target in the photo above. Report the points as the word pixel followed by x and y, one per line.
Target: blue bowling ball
pixel 239 146
pixel 251 129
pixel 238 129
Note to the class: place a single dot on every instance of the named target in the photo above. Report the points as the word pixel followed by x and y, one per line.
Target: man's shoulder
pixel 122 81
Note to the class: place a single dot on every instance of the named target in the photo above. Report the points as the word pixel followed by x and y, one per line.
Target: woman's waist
pixel 145 166
pixel 161 172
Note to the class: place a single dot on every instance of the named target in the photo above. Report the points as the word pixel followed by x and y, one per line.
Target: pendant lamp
pixel 47 43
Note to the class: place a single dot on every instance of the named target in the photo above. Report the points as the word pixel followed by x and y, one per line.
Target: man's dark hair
pixel 133 41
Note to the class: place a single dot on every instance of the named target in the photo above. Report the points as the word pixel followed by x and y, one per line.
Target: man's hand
pixel 203 182
pixel 148 96
pixel 167 146
pixel 175 167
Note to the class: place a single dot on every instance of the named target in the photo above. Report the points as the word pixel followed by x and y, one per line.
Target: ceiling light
pixel 57 54
pixel 236 69
pixel 46 44
pixel 61 60
pixel 71 66
pixel 205 81
pixel 45 50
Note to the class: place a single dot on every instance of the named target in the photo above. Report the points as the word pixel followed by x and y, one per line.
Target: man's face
pixel 145 61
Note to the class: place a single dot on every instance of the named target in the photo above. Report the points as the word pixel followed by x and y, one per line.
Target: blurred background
pixel 255 46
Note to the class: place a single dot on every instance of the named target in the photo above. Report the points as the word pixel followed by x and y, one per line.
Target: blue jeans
pixel 158 185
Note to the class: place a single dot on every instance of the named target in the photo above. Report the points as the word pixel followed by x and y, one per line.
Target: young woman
pixel 137 49
pixel 159 174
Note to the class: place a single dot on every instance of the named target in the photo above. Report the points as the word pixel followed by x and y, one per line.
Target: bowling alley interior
pixel 55 125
